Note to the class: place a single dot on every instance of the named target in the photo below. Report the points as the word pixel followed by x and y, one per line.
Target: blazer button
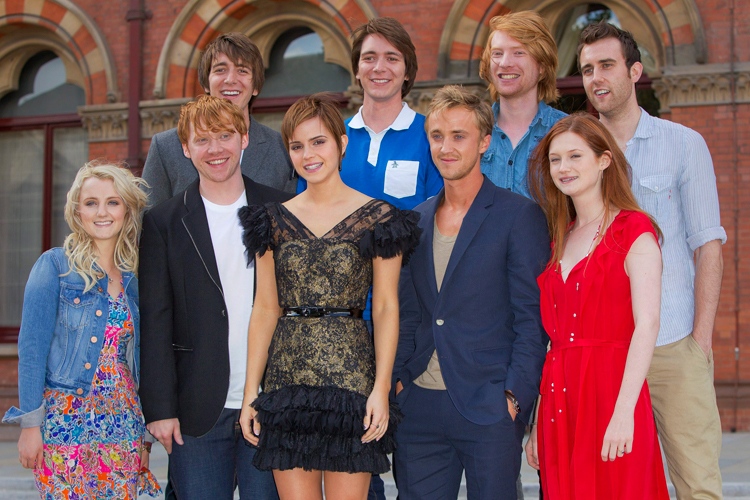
pixel 76 300
pixel 439 322
pixel 94 339
pixel 98 312
pixel 79 391
pixel 224 312
pixel 87 366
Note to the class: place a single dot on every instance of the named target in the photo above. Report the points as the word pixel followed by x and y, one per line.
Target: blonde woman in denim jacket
pixel 78 348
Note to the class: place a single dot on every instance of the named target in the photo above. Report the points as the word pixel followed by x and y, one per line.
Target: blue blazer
pixel 485 321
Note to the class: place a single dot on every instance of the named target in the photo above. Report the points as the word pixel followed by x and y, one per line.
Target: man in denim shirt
pixel 520 64
pixel 673 180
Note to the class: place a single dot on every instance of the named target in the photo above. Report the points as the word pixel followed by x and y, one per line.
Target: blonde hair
pixel 529 28
pixel 79 247
pixel 455 96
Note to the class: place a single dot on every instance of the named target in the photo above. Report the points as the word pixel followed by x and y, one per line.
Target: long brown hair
pixel 559 207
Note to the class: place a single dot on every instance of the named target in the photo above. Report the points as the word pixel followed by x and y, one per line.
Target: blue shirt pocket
pixel 659 197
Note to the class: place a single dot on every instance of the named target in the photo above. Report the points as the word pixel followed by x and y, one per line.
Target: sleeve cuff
pixel 699 239
pixel 25 419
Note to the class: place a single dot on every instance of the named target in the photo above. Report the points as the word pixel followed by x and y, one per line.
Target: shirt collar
pixel 544 114
pixel 402 122
pixel 646 126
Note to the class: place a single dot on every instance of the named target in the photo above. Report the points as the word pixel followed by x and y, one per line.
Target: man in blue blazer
pixel 472 344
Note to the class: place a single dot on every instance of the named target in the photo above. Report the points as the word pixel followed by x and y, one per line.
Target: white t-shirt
pixel 237 281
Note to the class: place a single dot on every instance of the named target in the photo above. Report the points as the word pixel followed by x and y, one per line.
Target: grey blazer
pixel 265 160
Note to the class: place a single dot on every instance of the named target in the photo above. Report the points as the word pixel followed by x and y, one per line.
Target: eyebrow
pixel 388 53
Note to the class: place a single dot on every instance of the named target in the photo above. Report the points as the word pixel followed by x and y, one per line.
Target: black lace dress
pixel 321 370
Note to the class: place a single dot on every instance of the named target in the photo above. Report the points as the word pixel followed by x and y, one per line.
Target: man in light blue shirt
pixel 674 181
pixel 520 65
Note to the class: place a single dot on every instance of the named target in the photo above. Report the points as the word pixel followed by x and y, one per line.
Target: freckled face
pixel 514 70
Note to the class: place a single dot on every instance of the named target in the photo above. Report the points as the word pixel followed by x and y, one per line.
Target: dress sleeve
pixel 634 225
pixel 395 234
pixel 257 230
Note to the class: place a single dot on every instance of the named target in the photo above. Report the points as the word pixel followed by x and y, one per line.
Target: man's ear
pixel 636 70
pixel 245 140
pixel 185 151
pixel 485 143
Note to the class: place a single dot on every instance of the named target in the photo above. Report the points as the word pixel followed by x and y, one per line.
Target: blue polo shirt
pixel 506 166
pixel 394 165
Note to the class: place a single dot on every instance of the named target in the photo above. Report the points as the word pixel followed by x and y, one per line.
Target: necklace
pixel 589 222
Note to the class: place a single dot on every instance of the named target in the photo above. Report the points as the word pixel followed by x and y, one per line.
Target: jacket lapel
pixel 424 258
pixel 469 227
pixel 257 147
pixel 196 225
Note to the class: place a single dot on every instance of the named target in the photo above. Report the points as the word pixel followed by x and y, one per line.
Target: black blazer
pixel 184 325
pixel 485 320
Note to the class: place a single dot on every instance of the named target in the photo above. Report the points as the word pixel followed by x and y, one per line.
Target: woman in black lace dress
pixel 324 410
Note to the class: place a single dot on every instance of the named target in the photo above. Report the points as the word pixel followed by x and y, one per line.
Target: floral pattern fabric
pixel 92 445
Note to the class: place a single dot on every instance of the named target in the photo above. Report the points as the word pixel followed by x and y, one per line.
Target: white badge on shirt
pixel 401 178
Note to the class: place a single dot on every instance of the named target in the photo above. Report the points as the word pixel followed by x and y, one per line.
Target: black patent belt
pixel 319 312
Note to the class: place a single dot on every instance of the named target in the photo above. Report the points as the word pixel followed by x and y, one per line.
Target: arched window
pixel 573 96
pixel 43 145
pixel 297 67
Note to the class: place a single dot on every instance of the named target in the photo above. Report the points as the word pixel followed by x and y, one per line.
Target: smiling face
pixel 609 85
pixel 574 167
pixel 381 70
pixel 314 151
pixel 515 73
pixel 101 209
pixel 230 81
pixel 455 142
pixel 215 154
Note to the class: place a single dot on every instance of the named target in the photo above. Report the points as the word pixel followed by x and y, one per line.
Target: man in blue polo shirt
pixel 388 156
pixel 520 65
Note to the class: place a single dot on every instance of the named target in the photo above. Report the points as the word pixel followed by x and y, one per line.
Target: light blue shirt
pixel 506 166
pixel 674 181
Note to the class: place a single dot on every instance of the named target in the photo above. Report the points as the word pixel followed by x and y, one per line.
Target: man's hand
pixel 30 448
pixel 532 455
pixel 165 430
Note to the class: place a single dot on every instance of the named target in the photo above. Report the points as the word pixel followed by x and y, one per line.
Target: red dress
pixel 589 319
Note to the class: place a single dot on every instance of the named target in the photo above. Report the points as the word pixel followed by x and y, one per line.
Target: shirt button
pixel 574 315
pixel 79 391
pixel 510 162
pixel 76 300
pixel 100 289
pixel 439 322
pixel 87 366
pixel 94 339
pixel 98 313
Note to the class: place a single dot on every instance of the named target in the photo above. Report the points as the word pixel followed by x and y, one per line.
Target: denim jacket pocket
pixel 659 198
pixel 75 312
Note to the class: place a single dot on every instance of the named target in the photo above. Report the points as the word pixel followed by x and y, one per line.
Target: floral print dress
pixel 92 444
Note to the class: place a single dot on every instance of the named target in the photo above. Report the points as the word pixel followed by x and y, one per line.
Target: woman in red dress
pixel 595 436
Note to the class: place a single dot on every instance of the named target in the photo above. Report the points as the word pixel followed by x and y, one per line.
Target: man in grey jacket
pixel 231 67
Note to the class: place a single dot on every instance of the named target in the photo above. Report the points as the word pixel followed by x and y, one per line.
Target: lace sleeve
pixel 257 234
pixel 397 234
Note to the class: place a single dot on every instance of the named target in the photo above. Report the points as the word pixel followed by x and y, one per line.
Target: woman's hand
pixel 618 439
pixel 376 416
pixel 30 448
pixel 249 421
pixel 532 456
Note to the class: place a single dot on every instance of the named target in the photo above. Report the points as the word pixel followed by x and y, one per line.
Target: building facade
pixel 84 79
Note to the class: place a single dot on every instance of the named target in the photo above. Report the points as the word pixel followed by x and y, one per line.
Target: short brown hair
pixel 529 28
pixel 603 30
pixel 395 34
pixel 209 113
pixel 240 50
pixel 321 105
pixel 455 96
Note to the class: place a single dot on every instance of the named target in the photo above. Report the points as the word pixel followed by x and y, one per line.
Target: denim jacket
pixel 62 333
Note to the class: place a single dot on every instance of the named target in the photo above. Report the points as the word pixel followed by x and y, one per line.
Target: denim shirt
pixel 62 333
pixel 506 166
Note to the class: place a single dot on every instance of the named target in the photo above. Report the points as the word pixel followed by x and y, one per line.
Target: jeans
pixel 211 466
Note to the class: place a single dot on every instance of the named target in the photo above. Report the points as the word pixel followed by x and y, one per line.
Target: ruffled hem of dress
pixel 256 225
pixel 320 428
pixel 398 235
